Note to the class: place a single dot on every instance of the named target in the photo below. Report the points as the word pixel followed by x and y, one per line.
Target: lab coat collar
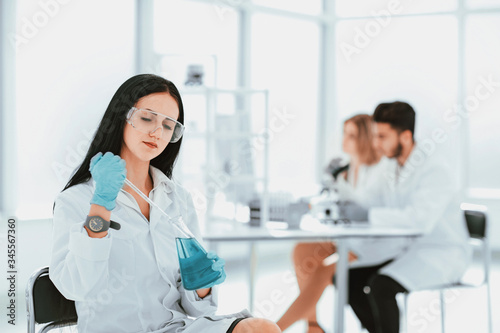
pixel 412 163
pixel 160 180
pixel 159 177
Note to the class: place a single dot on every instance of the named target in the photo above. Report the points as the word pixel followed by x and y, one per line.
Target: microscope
pixel 328 207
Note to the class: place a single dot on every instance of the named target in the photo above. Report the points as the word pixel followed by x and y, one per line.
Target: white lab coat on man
pixel 129 281
pixel 420 195
pixel 369 251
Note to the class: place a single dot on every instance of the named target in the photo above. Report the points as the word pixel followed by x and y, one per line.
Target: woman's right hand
pixel 109 174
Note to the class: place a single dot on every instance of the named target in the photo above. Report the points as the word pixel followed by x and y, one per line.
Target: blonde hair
pixel 366 152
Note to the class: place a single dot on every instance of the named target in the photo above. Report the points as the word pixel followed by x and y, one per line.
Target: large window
pixel 384 8
pixel 312 7
pixel 290 72
pixel 483 4
pixel 281 52
pixel 481 105
pixel 441 56
pixel 410 59
pixel 431 54
pixel 187 32
pixel 67 71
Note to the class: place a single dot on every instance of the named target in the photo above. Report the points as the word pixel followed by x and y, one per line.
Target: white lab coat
pixel 422 196
pixel 369 251
pixel 129 281
pixel 368 176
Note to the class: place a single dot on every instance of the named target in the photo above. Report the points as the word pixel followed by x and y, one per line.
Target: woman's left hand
pixel 218 265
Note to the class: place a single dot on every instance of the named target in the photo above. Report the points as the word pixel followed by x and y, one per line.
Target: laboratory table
pixel 320 232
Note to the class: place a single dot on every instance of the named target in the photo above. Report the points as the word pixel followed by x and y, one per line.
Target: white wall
pixel 7 102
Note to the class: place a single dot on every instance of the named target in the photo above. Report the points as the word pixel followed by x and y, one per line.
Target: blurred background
pixel 266 87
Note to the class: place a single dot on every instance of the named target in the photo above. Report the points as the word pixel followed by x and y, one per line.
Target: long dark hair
pixel 109 134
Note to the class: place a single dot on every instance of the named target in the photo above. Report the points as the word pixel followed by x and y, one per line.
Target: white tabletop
pixel 312 231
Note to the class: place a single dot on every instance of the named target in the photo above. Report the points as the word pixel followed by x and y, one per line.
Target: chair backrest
pixel 475 218
pixel 476 223
pixel 45 304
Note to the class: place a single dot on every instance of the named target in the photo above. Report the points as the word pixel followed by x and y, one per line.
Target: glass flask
pixel 196 268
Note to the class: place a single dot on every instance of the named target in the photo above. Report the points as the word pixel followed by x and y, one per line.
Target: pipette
pixel 179 223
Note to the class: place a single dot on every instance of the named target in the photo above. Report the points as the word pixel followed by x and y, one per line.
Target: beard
pixel 397 151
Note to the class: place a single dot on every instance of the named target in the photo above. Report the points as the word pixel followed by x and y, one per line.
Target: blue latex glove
pixel 109 174
pixel 217 266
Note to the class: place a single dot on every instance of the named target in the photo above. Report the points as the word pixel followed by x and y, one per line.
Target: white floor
pixel 275 288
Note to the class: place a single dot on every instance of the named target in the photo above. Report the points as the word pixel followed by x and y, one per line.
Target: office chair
pixel 46 305
pixel 475 219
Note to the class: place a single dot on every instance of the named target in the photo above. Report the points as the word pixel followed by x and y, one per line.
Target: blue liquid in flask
pixel 196 268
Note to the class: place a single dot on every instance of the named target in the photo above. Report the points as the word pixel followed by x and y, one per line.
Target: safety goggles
pixel 147 121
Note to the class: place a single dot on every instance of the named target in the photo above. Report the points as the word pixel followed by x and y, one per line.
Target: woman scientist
pixel 113 253
pixel 313 276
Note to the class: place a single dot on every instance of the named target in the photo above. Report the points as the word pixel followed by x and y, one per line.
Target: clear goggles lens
pixel 147 121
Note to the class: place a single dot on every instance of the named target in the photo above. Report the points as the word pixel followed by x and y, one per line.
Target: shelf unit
pixel 225 150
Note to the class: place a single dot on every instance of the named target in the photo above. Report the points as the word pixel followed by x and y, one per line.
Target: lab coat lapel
pixel 124 199
pixel 161 184
pixel 403 184
pixel 411 165
pixel 162 187
pixel 391 173
pixel 163 201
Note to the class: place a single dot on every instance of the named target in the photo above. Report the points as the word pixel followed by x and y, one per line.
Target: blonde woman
pixel 313 276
